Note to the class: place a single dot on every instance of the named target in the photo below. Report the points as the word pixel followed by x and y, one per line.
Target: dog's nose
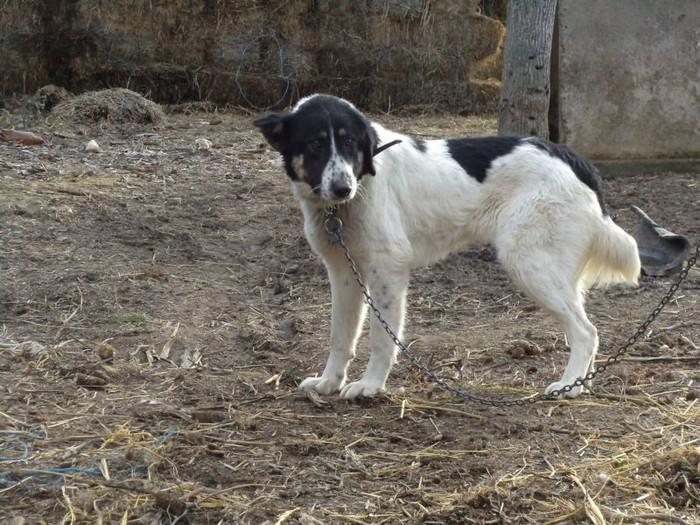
pixel 340 189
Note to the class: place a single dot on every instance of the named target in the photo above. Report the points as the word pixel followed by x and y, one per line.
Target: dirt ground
pixel 159 306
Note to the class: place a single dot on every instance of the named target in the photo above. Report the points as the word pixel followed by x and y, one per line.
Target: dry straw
pixel 114 106
pixel 112 459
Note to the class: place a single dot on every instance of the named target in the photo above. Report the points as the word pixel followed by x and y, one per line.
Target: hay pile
pixel 383 54
pixel 115 105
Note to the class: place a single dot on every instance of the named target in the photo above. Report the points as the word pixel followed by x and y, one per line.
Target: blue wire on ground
pixel 286 78
pixel 168 434
pixel 58 471
pixel 11 446
pixel 51 471
pixel 17 444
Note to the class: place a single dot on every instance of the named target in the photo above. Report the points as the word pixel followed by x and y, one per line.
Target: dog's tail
pixel 612 257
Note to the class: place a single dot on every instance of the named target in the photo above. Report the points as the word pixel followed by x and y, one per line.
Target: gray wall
pixel 629 78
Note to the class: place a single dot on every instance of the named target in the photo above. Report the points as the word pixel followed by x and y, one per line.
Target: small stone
pixel 93 147
pixel 203 144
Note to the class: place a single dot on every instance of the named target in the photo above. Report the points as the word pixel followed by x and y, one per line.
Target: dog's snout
pixel 341 189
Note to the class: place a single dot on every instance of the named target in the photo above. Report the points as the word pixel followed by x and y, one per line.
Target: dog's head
pixel 326 143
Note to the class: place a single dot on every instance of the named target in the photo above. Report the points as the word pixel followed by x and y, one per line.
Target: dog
pixel 537 203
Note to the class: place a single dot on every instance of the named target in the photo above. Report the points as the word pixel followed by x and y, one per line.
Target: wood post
pixel 525 88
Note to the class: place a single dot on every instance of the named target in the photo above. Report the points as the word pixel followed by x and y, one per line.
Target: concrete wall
pixel 629 78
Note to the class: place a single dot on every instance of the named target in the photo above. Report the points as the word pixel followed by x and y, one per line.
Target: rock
pixel 93 147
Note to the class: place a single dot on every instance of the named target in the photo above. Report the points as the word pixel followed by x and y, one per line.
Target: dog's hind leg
pixel 550 280
pixel 388 289
pixel 348 312
pixel 583 340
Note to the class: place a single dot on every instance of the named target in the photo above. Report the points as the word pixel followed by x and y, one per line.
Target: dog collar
pixel 385 146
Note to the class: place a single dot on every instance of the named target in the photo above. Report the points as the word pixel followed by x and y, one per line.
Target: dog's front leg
pixel 388 290
pixel 348 312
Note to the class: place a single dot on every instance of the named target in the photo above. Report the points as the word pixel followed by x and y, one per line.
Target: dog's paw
pixel 322 385
pixel 361 388
pixel 573 393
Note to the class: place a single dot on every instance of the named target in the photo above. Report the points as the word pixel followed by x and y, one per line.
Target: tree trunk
pixel 525 88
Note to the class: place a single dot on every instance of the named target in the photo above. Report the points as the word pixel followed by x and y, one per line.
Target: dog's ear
pixel 370 144
pixel 274 127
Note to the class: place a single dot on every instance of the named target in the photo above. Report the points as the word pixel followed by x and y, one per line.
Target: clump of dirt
pixel 521 348
pixel 117 105
pixel 678 475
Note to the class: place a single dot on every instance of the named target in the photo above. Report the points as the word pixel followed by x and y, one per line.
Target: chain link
pixel 334 225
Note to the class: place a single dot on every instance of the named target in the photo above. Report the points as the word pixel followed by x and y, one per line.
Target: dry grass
pixel 116 105
pixel 110 457
pixel 427 55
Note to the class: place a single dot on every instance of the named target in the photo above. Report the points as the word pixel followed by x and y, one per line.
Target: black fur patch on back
pixel 476 154
pixel 419 144
pixel 584 170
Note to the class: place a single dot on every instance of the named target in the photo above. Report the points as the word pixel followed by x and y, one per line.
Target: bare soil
pixel 159 306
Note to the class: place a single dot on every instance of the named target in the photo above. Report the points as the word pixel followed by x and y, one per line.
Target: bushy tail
pixel 612 257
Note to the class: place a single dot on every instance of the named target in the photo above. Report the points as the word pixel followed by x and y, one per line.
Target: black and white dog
pixel 537 203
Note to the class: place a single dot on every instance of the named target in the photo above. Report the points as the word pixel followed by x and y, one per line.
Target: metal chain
pixel 334 225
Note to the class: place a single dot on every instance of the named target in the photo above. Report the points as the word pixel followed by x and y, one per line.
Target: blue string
pixel 168 434
pixel 11 446
pixel 287 79
pixel 58 472
pixel 55 470
pixel 122 106
pixel 18 443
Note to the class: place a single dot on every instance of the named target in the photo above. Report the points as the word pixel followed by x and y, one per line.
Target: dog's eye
pixel 315 144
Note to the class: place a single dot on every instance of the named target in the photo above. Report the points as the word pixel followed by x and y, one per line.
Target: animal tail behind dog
pixel 612 257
